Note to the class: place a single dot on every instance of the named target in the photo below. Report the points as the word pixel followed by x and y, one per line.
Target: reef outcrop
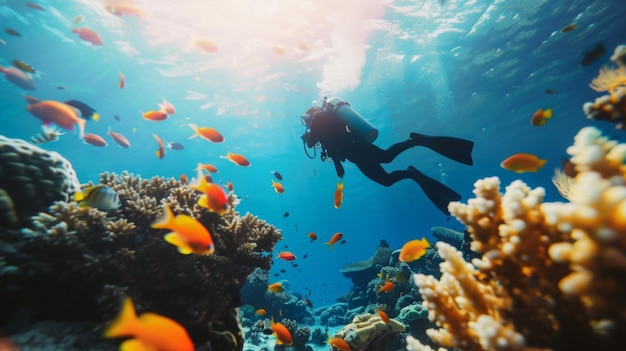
pixel 31 178
pixel 551 275
pixel 368 332
pixel 76 263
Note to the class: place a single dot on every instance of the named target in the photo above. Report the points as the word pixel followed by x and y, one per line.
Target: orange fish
pixel 523 162
pixel 150 331
pixel 189 235
pixel 207 167
pixel 261 312
pixel 167 107
pixel 184 180
pixel 94 139
pixel 238 159
pixel 312 236
pixel 154 116
pixel 206 133
pixel 160 153
pixel 336 237
pixel 206 45
pixel 63 115
pixel 230 186
pixel 124 7
pixel 279 50
pixel 286 255
pixel 122 82
pixel 119 139
pixel 281 333
pixel 339 194
pixel 304 46
pixel 276 287
pixel 88 35
pixel 278 187
pixel 383 316
pixel 541 117
pixel 568 28
pixel 387 287
pixel 214 197
pixel 338 343
pixel 413 250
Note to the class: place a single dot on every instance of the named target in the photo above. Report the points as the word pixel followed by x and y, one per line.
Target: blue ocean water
pixel 470 69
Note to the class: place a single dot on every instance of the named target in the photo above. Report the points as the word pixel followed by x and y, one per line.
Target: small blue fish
pixel 175 146
pixel 98 196
pixel 277 175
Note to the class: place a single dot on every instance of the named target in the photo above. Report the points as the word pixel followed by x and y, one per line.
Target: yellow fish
pixel 413 250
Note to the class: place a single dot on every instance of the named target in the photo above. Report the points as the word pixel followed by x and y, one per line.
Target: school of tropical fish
pixel 59 119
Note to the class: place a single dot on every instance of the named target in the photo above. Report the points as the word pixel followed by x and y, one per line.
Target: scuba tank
pixel 357 124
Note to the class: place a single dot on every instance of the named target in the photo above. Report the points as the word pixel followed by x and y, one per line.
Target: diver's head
pixel 307 117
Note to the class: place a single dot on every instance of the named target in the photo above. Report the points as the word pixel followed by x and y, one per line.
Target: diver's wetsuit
pixel 340 144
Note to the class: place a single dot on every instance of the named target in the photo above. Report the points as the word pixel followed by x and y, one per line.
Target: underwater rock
pixel 33 178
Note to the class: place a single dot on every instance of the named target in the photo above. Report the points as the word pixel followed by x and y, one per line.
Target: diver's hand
pixel 305 136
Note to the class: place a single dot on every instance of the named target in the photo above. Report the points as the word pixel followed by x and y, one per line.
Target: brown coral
pixel 86 260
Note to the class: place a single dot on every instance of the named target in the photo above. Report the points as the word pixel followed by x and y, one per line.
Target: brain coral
pixel 32 178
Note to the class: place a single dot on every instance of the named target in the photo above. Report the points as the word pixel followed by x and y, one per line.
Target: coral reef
pixel 448 235
pixel 31 179
pixel 368 332
pixel 551 275
pixel 361 272
pixel 76 263
pixel 611 107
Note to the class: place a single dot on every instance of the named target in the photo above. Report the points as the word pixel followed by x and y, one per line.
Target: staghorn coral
pixel 32 178
pixel 552 275
pixel 86 260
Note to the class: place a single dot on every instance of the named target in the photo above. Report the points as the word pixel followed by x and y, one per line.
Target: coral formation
pixel 368 332
pixel 448 235
pixel 361 272
pixel 552 275
pixel 611 107
pixel 86 260
pixel 31 179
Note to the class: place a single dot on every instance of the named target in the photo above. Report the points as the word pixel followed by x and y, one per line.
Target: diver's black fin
pixel 439 194
pixel 453 148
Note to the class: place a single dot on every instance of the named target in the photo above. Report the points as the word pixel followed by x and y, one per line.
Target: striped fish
pixel 48 134
pixel 98 196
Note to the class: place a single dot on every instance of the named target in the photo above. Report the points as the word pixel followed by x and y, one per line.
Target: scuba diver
pixel 343 134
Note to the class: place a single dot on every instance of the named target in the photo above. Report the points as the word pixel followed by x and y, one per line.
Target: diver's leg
pixel 374 171
pixel 386 156
pixel 438 193
pixel 453 148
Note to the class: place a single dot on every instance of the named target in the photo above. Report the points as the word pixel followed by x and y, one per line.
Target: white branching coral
pixel 552 275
